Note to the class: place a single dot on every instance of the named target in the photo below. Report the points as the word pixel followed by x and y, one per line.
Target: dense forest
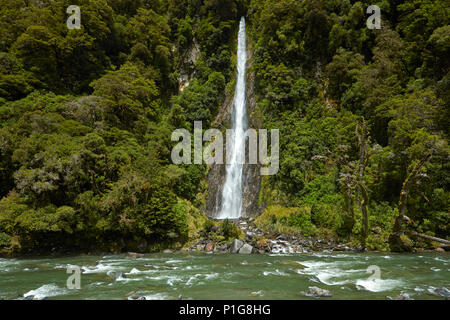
pixel 86 117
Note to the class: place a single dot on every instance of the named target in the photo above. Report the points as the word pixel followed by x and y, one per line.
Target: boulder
pixel 236 245
pixel 209 247
pixel 116 275
pixel 246 249
pixel 402 296
pixel 318 292
pixel 439 250
pixel 167 251
pixel 220 248
pixel 441 292
pixel 134 255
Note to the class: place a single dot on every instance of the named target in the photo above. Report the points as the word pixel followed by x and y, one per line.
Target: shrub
pixel 230 230
pixel 292 220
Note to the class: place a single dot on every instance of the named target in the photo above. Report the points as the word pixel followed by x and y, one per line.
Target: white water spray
pixel 232 189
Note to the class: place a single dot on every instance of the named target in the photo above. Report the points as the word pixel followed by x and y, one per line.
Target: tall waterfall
pixel 232 189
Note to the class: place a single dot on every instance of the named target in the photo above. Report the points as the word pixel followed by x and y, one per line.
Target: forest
pixel 86 117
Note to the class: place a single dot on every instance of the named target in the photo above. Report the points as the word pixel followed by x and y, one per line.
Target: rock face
pixel 246 249
pixel 318 292
pixel 236 245
pixel 251 172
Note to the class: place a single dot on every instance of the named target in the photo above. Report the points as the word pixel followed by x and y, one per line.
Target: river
pixel 227 276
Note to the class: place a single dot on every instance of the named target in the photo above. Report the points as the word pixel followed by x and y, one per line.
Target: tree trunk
pixel 421 235
pixel 398 240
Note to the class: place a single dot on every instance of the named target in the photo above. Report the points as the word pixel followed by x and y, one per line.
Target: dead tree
pixel 396 242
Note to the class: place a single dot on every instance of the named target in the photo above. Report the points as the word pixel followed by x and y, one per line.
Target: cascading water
pixel 232 189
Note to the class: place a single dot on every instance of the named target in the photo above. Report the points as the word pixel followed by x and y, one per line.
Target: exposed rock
pixel 251 173
pixel 236 245
pixel 134 296
pixel 318 292
pixel 441 292
pixel 246 249
pixel 402 296
pixel 221 248
pixel 134 255
pixel 167 251
pixel 209 247
pixel 259 293
pixel 116 275
pixel 439 250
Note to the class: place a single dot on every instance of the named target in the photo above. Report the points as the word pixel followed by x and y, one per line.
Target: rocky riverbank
pixel 255 240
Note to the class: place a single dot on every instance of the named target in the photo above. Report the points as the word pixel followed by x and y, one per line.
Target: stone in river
pixel 402 296
pixel 442 292
pixel 318 292
pixel 134 255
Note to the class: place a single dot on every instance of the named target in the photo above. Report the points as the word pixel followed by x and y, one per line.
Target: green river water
pixel 227 276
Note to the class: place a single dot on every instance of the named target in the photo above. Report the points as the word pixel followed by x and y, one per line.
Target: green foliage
pixel 319 71
pixel 85 126
pixel 230 230
pixel 208 225
pixel 292 220
pixel 86 116
pixel 5 240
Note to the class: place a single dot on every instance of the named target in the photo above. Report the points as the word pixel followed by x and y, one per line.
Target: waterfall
pixel 232 189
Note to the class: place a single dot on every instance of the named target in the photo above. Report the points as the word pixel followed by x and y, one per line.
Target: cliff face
pixel 251 173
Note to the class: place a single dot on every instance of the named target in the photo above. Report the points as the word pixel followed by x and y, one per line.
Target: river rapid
pixel 228 276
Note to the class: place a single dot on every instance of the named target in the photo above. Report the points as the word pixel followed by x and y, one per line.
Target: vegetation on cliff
pixel 86 117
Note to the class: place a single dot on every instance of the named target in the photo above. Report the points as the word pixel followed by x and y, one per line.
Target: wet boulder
pixel 116 275
pixel 402 296
pixel 134 255
pixel 318 292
